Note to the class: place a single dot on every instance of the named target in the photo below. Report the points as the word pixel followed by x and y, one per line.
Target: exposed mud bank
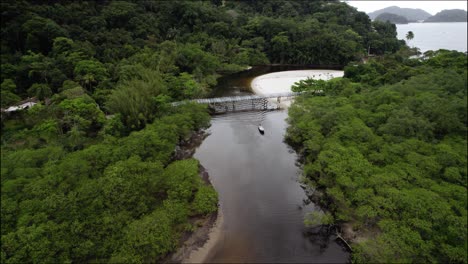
pixel 195 246
pixel 342 232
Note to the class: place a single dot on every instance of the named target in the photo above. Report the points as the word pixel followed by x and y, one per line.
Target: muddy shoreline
pixel 342 232
pixel 201 245
pixel 195 246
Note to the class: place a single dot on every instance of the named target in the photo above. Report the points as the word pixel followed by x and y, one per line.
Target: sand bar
pixel 281 82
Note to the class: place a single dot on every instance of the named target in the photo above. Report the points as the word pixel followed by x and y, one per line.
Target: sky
pixel 431 7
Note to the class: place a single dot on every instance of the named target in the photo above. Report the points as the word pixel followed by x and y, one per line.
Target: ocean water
pixel 434 36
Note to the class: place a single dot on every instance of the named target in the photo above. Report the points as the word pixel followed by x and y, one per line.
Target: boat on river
pixel 261 129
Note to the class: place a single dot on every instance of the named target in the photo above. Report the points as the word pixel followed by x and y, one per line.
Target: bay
pixel 434 36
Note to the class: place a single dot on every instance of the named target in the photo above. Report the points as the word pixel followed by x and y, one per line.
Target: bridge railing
pixel 228 99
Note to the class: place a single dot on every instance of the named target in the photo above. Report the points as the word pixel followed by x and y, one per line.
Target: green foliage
pixel 447 59
pixel 317 218
pixel 382 40
pixel 205 201
pixel 8 85
pixel 192 58
pixel 135 101
pixel 8 98
pixel 119 38
pixel 146 240
pixel 181 179
pixel 41 69
pixel 8 95
pixel 184 86
pixel 41 91
pixel 394 68
pixel 47 130
pixel 62 45
pixel 410 35
pixel 40 33
pixel 89 73
pixel 80 187
pixel 81 114
pixel 391 159
pixel 310 85
pixel 114 126
pixel 118 200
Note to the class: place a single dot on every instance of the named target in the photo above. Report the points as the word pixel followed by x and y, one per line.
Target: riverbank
pixel 198 246
pixel 195 246
pixel 281 82
pixel 209 236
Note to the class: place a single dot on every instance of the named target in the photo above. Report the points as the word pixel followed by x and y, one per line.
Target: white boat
pixel 261 129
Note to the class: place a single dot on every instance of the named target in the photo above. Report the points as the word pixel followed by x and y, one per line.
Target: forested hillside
pixel 88 174
pixel 387 145
pixel 411 14
pixel 100 44
pixel 452 15
pixel 392 18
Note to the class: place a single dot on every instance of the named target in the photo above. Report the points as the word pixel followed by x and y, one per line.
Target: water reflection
pixel 260 197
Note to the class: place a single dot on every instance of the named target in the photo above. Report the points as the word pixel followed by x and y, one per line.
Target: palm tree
pixel 409 35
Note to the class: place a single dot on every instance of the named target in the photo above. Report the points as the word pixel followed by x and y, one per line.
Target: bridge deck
pixel 237 98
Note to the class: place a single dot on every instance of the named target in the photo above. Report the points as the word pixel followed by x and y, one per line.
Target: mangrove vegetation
pixel 89 174
pixel 387 147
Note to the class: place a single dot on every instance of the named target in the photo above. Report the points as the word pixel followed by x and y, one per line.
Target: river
pixel 434 36
pixel 256 176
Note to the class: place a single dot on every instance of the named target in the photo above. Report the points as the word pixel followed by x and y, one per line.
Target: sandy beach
pixel 281 82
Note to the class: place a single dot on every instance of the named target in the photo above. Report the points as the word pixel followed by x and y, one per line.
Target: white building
pixel 22 105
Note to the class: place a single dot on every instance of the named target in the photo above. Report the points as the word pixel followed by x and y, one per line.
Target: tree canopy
pixel 100 44
pixel 88 174
pixel 389 151
pixel 67 198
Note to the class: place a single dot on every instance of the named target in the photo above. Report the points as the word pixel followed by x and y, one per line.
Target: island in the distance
pixel 411 14
pixel 392 18
pixel 452 15
pixel 397 15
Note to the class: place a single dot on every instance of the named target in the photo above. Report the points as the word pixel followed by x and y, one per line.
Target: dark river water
pixel 256 177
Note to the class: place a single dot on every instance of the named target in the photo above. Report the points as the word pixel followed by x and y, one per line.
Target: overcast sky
pixel 431 7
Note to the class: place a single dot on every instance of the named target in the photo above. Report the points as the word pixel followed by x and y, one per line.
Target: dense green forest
pixel 88 174
pixel 387 146
pixel 120 200
pixel 102 44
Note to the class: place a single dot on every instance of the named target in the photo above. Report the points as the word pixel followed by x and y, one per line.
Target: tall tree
pixel 409 35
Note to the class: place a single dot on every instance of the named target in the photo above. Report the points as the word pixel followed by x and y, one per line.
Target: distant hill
pixel 411 14
pixel 392 18
pixel 452 15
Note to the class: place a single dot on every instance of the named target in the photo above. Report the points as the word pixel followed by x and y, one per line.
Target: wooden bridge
pixel 240 103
